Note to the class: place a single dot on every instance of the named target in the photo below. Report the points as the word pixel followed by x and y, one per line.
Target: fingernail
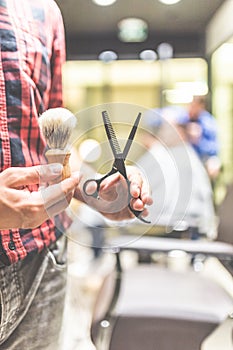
pixel 56 168
pixel 136 188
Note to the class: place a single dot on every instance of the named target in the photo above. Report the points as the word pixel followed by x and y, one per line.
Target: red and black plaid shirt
pixel 32 54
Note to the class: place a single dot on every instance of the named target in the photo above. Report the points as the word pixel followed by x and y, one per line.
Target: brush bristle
pixel 56 125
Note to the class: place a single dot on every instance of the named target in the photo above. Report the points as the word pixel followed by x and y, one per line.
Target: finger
pixel 110 181
pixel 140 187
pixel 138 205
pixel 90 187
pixel 145 213
pixel 146 193
pixel 35 212
pixel 50 173
pixel 59 192
pixel 57 208
pixel 135 183
pixel 115 190
pixel 17 176
pixel 135 190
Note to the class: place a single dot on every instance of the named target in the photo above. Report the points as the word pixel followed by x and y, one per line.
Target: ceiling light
pixel 107 56
pixel 132 30
pixel 104 2
pixel 165 51
pixel 169 2
pixel 148 55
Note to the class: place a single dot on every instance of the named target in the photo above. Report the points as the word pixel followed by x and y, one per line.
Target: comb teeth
pixel 110 132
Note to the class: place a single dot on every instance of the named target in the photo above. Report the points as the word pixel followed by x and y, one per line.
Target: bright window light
pixel 184 91
pixel 89 150
pixel 169 2
pixel 132 30
pixel 178 96
pixel 104 2
pixel 195 87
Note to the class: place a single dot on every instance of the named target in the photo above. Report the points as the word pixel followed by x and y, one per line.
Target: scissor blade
pixel 131 136
pixel 111 135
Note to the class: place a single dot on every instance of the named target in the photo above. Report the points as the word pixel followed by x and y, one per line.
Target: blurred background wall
pixel 167 54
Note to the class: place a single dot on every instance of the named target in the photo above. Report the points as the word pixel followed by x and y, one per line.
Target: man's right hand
pixel 22 208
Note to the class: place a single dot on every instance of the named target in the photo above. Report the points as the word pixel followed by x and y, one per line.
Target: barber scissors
pixel 119 161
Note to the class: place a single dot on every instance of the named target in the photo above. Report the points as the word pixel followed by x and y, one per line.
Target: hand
pixel 213 167
pixel 194 132
pixel 21 207
pixel 113 196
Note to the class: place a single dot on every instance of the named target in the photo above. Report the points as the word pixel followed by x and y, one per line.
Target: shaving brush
pixel 56 125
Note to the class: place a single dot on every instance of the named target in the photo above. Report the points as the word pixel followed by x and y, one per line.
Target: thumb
pixel 15 177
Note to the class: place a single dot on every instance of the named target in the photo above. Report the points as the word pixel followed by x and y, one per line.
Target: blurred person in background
pixel 203 135
pixel 180 184
pixel 32 253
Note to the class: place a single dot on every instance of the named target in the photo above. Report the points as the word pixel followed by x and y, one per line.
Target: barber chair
pixel 154 308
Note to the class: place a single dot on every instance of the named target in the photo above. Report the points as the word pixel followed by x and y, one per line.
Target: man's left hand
pixel 114 197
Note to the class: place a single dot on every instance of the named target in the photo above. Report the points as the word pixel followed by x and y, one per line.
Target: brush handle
pixel 62 157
